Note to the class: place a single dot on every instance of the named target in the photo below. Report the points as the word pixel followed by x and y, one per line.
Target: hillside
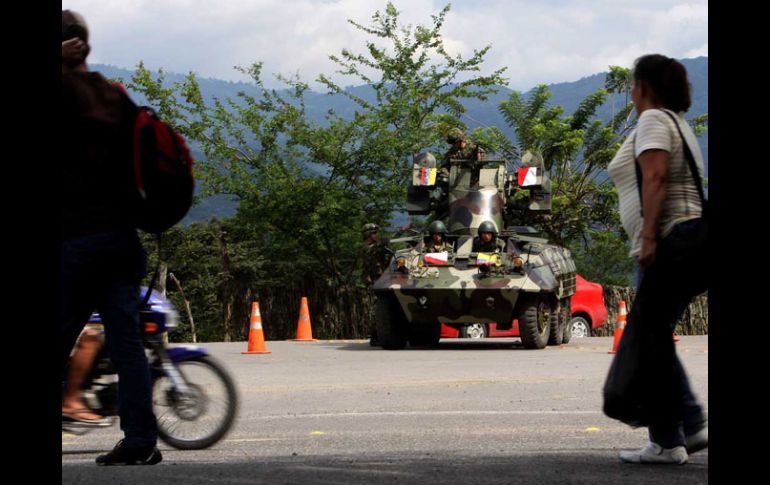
pixel 479 113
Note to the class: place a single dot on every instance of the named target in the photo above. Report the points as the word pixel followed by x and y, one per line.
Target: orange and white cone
pixel 619 327
pixel 256 335
pixel 304 331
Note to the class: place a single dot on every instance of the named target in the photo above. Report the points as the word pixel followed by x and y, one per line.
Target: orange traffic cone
pixel 304 332
pixel 256 336
pixel 619 327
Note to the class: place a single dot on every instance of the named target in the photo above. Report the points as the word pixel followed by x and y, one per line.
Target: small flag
pixel 436 258
pixel 428 176
pixel 487 258
pixel 527 176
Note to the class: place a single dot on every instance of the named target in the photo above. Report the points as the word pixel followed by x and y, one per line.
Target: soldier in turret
pixel 487 240
pixel 437 243
pixel 461 149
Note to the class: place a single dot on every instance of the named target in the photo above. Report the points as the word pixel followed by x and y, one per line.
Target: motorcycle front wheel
pixel 199 418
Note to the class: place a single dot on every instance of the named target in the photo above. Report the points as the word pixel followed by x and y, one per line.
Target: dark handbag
pixel 639 376
pixel 689 238
pixel 627 385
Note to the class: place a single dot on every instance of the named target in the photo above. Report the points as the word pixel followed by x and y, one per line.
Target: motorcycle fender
pixel 182 353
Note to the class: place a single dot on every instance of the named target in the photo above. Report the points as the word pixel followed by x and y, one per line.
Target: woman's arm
pixel 654 164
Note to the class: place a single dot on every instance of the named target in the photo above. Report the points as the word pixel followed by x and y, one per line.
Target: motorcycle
pixel 194 398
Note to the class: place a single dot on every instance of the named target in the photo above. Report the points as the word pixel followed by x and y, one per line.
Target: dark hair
pixel 73 25
pixel 666 78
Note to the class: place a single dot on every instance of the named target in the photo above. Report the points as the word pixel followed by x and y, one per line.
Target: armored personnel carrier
pixel 526 281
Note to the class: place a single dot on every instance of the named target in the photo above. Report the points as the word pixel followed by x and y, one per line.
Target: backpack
pixel 162 169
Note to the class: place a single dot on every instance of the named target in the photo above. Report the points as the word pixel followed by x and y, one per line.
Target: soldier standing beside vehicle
pixel 373 254
pixel 375 258
pixel 374 261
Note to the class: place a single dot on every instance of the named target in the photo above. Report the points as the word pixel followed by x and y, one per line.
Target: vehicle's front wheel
pixel 580 327
pixel 474 330
pixel 391 324
pixel 535 323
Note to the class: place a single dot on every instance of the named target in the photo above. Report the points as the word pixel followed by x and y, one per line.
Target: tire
pixel 566 324
pixel 535 323
pixel 580 327
pixel 391 324
pixel 474 330
pixel 556 332
pixel 423 335
pixel 199 421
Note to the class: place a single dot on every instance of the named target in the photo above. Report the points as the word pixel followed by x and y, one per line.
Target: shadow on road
pixel 597 468
pixel 449 344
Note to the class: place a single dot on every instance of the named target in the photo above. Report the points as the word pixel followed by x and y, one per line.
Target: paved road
pixel 466 412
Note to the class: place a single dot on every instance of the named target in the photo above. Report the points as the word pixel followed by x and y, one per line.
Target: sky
pixel 539 41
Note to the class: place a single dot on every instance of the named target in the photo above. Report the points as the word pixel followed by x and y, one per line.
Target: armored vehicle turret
pixel 508 276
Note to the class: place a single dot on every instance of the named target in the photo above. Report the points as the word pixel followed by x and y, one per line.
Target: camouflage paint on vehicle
pixel 415 297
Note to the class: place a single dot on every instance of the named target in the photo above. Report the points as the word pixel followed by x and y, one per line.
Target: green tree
pixel 306 188
pixel 576 150
pixel 195 255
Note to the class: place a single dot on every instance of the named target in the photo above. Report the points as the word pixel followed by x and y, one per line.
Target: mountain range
pixel 479 113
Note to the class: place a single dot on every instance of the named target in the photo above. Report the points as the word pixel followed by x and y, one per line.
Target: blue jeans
pixel 103 272
pixel 663 293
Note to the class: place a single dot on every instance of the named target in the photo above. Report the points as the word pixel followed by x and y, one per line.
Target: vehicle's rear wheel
pixel 580 327
pixel 566 325
pixel 391 324
pixel 556 334
pixel 474 330
pixel 535 323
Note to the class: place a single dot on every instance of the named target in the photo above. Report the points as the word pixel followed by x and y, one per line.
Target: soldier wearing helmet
pixel 487 240
pixel 437 243
pixel 374 258
pixel 374 255
pixel 460 148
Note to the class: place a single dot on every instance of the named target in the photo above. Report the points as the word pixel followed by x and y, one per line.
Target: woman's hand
pixel 647 254
pixel 73 49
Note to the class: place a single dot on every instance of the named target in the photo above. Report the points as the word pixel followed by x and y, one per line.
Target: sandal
pixel 77 416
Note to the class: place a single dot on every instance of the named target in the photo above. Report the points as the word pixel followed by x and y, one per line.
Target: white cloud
pixel 543 41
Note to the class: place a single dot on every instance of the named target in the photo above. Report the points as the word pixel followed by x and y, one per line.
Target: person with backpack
pixel 102 258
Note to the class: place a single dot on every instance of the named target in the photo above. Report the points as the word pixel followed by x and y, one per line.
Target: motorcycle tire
pixel 201 419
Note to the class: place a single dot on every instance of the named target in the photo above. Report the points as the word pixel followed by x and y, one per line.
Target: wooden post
pixel 187 307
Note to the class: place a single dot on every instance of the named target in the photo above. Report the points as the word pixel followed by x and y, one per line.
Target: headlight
pixel 172 318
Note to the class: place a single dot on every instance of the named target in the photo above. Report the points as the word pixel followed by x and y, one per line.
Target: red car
pixel 588 312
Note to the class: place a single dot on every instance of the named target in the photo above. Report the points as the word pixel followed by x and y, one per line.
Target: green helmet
pixel 488 226
pixel 368 229
pixel 437 227
pixel 455 135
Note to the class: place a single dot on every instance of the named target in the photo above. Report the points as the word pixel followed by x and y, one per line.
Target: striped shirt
pixel 655 130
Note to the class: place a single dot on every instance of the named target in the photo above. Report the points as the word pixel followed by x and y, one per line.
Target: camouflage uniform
pixel 444 246
pixel 470 152
pixel 493 245
pixel 375 260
